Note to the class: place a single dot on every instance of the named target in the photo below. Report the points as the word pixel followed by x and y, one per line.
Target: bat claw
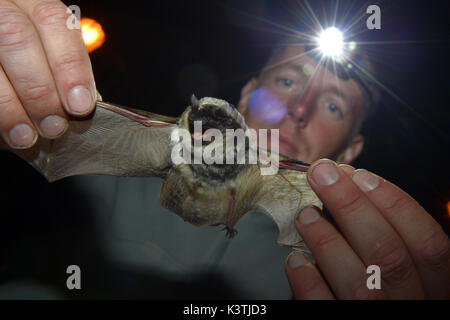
pixel 230 232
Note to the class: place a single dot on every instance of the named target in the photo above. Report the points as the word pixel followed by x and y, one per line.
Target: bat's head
pixel 209 122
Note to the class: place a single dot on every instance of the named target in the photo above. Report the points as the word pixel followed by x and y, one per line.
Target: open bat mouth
pixel 210 117
pixel 208 121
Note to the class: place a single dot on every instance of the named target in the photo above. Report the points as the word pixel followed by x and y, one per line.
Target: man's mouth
pixel 286 146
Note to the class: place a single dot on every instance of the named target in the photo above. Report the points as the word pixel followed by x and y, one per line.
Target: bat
pixel 121 141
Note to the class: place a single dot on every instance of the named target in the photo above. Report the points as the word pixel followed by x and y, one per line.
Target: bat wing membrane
pixel 113 141
pixel 281 197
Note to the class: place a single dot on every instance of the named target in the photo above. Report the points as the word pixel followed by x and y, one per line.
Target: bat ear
pixel 194 101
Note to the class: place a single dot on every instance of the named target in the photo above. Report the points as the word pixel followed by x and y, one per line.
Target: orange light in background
pixel 448 208
pixel 93 34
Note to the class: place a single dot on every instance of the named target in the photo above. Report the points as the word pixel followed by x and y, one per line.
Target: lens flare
pixel 266 107
pixel 93 34
pixel 331 42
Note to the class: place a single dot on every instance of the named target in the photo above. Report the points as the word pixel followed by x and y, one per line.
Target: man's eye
pixel 288 83
pixel 333 108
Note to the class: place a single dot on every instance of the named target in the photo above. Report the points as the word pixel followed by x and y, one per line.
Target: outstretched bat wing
pixel 113 141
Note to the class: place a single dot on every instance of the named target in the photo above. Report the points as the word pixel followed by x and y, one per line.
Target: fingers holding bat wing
pixel 114 141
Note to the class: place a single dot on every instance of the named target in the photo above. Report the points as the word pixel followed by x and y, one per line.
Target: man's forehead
pixel 294 53
pixel 294 57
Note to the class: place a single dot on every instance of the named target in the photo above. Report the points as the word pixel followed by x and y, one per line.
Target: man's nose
pixel 300 109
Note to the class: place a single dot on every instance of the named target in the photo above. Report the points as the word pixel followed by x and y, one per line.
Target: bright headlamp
pixel 331 43
pixel 342 58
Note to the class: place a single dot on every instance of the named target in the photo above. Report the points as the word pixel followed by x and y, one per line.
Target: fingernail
pixel 22 136
pixel 79 99
pixel 347 169
pixel 308 215
pixel 53 126
pixel 325 173
pixel 365 180
pixel 296 260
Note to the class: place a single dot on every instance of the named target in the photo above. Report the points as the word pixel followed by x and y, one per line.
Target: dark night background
pixel 159 52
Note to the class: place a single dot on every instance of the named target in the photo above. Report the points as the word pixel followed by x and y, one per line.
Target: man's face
pixel 315 111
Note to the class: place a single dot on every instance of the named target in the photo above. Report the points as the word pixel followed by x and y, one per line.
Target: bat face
pixel 219 117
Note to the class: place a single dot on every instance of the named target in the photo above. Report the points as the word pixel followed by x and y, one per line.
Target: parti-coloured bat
pixel 126 142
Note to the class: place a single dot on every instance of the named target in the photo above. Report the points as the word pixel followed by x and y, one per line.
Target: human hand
pixel 378 224
pixel 45 72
